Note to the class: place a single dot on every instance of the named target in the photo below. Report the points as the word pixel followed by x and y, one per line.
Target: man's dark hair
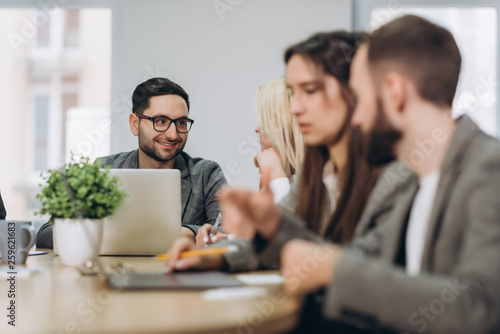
pixel 155 87
pixel 423 51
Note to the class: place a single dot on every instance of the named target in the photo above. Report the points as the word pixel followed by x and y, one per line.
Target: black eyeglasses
pixel 162 123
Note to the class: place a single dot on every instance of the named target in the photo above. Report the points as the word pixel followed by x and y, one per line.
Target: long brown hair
pixel 332 53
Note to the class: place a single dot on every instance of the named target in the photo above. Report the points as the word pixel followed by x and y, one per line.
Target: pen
pixel 201 252
pixel 214 229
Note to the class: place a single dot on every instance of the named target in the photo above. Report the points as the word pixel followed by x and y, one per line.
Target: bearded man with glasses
pixel 159 118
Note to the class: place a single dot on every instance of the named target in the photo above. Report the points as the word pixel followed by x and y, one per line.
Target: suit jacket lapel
pixel 181 164
pixel 445 185
pixel 393 176
pixel 449 172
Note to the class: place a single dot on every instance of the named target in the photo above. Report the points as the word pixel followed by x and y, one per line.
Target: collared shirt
pixel 330 180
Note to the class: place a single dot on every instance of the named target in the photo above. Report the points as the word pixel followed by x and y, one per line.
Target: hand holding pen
pixel 209 234
pixel 208 242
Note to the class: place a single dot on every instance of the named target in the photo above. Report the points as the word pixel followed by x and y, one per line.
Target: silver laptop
pixel 149 220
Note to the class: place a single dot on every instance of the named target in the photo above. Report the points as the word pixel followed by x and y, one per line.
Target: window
pixel 41 132
pixel 43 33
pixel 56 93
pixel 477 90
pixel 72 28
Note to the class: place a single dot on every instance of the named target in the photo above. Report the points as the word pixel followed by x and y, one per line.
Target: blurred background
pixel 68 69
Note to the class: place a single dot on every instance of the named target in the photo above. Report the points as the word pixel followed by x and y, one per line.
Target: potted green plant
pixel 78 196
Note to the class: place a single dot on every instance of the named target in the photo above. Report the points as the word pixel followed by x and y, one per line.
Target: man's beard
pixel 382 139
pixel 152 152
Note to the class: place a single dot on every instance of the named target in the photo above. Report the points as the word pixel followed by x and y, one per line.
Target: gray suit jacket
pixel 377 207
pixel 458 290
pixel 200 181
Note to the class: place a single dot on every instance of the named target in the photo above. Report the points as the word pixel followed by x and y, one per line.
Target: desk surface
pixel 59 300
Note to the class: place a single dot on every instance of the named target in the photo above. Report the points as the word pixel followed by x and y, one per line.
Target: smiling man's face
pixel 162 146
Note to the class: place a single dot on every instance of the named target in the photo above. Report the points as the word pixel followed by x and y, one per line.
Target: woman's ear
pixel 133 121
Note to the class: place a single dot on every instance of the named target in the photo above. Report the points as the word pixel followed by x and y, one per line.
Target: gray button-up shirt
pixel 200 181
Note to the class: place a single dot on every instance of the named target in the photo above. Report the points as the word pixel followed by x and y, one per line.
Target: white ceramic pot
pixel 77 240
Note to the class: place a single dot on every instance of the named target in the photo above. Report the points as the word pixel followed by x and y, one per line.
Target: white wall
pixel 219 62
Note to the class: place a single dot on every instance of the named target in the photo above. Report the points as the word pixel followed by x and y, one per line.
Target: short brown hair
pixel 421 50
pixel 155 87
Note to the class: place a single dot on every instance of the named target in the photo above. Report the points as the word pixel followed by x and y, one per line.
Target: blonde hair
pixel 278 125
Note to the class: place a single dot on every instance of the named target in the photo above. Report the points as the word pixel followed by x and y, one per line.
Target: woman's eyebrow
pixel 309 83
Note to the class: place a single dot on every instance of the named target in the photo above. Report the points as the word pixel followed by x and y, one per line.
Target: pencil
pixel 200 252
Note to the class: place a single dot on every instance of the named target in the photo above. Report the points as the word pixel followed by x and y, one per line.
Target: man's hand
pixel 188 233
pixel 196 262
pixel 204 233
pixel 308 266
pixel 244 212
pixel 269 159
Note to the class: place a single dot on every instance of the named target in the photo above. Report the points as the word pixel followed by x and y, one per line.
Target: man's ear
pixel 134 124
pixel 394 95
pixel 395 91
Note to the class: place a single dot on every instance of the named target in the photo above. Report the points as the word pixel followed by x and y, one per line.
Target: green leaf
pixel 82 186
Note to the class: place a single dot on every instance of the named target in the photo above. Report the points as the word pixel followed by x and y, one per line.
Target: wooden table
pixel 60 300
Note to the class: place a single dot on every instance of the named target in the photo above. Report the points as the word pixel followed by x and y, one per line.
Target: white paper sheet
pixel 235 293
pixel 260 279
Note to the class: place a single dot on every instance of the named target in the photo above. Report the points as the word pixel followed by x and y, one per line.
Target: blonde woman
pixel 281 142
pixel 281 145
